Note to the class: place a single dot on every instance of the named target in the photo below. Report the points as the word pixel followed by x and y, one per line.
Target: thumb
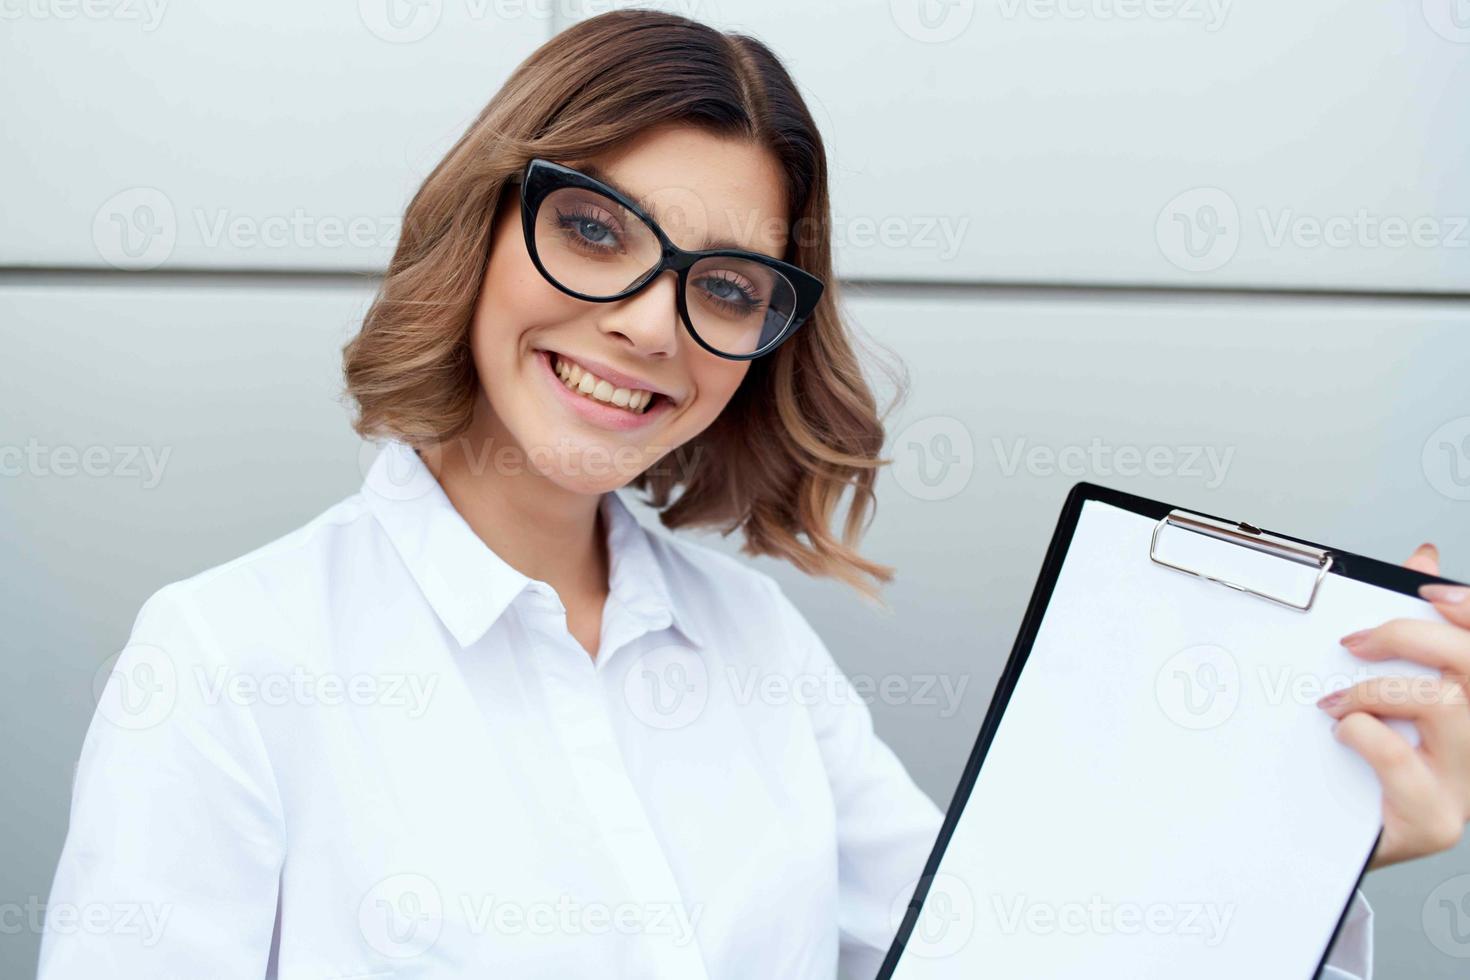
pixel 1424 559
pixel 1452 601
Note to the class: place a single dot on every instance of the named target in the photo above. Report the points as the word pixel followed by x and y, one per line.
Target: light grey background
pixel 198 196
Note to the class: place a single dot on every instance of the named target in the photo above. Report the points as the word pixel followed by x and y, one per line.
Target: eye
pixel 589 229
pixel 732 291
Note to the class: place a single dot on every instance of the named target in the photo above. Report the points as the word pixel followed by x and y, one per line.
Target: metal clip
pixel 1247 536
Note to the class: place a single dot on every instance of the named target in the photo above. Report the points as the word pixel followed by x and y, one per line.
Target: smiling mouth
pixel 583 382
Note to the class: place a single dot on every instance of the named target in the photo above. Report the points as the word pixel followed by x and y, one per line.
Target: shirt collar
pixel 467 584
pixel 637 577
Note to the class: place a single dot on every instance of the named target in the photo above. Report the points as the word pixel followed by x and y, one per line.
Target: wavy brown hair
pixel 802 428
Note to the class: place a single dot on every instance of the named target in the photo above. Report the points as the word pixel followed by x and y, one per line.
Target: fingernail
pixel 1353 640
pixel 1451 594
pixel 1429 547
pixel 1332 700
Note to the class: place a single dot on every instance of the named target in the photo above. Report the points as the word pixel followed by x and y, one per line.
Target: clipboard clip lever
pixel 1246 536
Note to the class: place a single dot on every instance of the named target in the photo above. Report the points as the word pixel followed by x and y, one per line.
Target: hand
pixel 1426 789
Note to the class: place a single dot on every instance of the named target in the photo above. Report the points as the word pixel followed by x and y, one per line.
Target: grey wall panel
pixel 1325 418
pixel 1310 146
pixel 265 135
pixel 1318 144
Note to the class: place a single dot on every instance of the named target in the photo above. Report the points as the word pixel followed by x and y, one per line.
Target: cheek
pixel 514 298
pixel 716 380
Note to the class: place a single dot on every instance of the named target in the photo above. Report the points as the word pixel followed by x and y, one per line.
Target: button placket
pixel 580 713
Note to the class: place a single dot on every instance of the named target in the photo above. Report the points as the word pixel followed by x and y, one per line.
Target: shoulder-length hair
pixel 801 429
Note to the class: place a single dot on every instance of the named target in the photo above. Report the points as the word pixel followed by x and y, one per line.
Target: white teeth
pixel 585 382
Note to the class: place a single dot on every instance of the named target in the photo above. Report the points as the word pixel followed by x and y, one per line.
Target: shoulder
pixel 273 590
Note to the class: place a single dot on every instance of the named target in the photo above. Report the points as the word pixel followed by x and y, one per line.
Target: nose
pixel 648 321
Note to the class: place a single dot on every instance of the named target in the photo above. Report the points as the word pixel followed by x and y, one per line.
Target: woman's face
pixel 697 187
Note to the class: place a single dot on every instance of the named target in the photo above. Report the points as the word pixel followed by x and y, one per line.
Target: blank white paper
pixel 1163 798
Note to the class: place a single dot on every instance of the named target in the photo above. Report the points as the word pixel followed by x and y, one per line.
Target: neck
pixel 540 529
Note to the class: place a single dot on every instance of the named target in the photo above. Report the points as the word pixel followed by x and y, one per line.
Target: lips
pixel 584 382
pixel 594 411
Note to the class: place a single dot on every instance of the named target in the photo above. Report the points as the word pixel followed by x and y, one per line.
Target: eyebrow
pixel 597 173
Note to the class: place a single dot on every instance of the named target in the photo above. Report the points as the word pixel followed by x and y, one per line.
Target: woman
pixel 474 720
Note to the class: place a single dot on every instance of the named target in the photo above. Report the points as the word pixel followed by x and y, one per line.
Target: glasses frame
pixel 540 177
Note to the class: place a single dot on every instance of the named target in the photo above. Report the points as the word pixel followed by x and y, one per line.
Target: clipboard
pixel 1153 792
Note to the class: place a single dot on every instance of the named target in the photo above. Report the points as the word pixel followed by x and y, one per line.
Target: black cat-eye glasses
pixel 593 242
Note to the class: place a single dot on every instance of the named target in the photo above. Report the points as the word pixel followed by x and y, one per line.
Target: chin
pixel 582 465
pixel 588 484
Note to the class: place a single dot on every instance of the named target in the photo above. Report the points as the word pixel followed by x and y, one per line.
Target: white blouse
pixel 372 748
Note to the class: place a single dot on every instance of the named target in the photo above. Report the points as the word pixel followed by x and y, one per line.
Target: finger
pixel 1424 697
pixel 1452 601
pixel 1424 559
pixel 1406 777
pixel 1441 645
pixel 1436 705
pixel 1419 817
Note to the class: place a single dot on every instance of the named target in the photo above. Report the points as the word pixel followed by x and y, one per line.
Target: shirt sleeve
pixel 1351 957
pixel 175 842
pixel 886 825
